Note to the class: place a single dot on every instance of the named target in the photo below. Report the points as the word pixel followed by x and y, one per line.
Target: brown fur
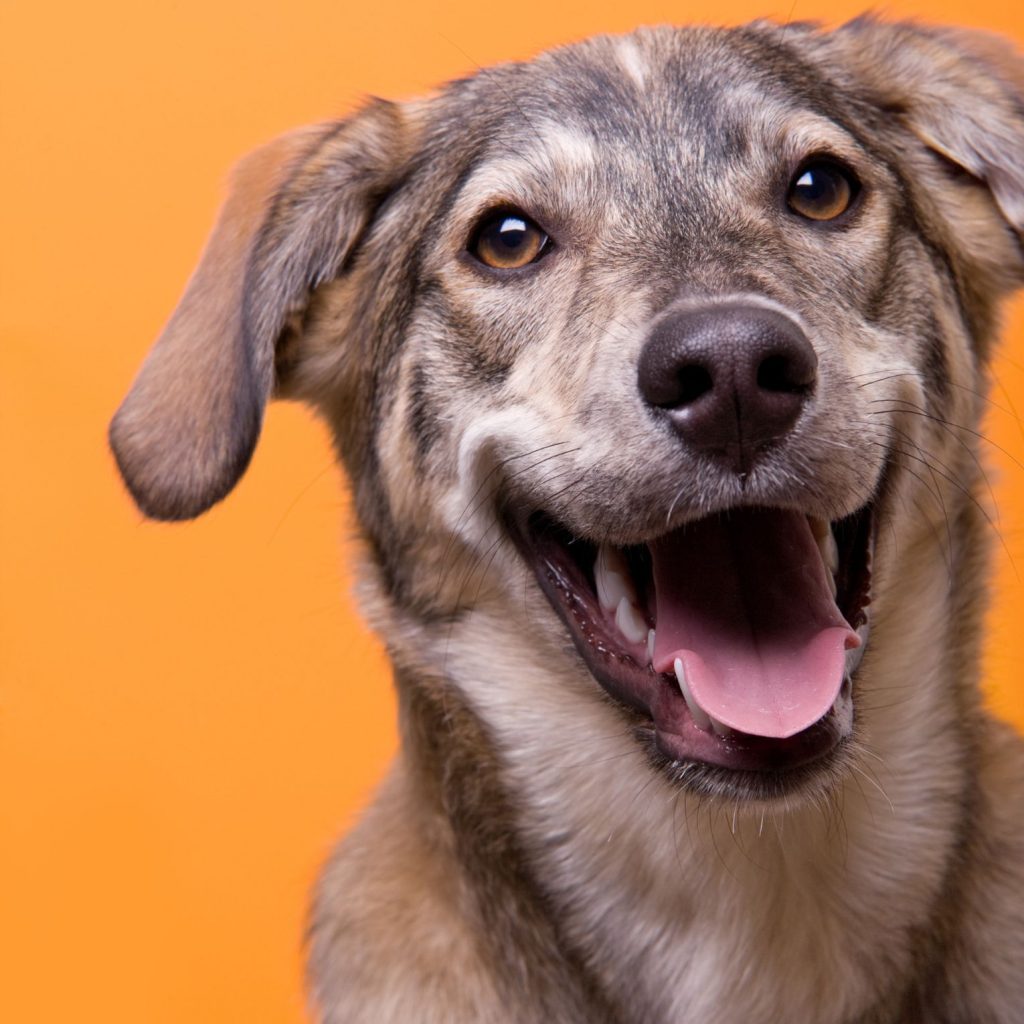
pixel 527 860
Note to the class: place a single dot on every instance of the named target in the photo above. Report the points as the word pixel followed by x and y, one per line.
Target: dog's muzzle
pixel 737 633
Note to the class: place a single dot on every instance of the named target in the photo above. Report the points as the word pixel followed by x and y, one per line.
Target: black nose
pixel 730 379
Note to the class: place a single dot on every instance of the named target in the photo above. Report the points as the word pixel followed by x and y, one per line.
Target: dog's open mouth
pixel 736 635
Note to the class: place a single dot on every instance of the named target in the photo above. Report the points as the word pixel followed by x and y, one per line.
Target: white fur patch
pixel 568 148
pixel 632 61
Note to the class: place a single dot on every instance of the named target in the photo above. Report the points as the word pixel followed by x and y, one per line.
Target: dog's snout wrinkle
pixel 729 379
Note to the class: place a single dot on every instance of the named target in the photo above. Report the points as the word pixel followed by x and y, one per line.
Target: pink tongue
pixel 743 601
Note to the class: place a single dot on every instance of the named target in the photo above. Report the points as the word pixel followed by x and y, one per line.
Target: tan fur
pixel 526 860
pixel 187 386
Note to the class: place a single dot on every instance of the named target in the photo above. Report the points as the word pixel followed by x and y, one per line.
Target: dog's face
pixel 668 345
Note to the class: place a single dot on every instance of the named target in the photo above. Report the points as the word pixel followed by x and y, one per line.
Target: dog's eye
pixel 507 240
pixel 822 190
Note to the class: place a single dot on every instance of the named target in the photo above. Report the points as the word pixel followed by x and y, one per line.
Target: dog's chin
pixel 731 642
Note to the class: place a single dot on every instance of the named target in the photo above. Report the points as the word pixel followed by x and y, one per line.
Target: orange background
pixel 189 715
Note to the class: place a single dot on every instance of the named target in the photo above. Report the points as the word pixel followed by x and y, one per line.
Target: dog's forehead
pixel 659 110
pixel 655 78
pixel 680 91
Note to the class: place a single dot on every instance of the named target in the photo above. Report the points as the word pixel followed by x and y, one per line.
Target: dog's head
pixel 683 330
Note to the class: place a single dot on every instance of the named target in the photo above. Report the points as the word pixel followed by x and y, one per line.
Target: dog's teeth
pixel 611 576
pixel 720 728
pixel 650 645
pixel 830 553
pixel 822 530
pixel 630 622
pixel 833 589
pixel 700 716
pixel 819 527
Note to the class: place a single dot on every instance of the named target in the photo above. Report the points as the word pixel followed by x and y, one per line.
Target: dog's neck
pixel 580 854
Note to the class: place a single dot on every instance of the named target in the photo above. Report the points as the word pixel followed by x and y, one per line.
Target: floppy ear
pixel 960 92
pixel 295 211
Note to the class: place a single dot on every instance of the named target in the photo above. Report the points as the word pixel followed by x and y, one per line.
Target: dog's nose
pixel 730 378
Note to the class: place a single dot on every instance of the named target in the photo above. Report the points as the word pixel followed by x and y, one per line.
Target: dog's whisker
pixel 974 501
pixel 951 427
pixel 937 492
pixel 473 506
pixel 874 782
pixel 974 458
pixel 1008 410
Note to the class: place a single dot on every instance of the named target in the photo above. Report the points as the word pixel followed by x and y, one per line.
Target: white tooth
pixel 832 584
pixel 720 728
pixel 819 527
pixel 700 716
pixel 650 645
pixel 830 553
pixel 630 622
pixel 822 530
pixel 611 576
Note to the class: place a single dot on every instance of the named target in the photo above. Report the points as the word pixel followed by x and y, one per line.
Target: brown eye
pixel 507 240
pixel 822 190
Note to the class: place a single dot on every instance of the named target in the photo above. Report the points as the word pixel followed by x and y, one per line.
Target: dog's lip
pixel 656 697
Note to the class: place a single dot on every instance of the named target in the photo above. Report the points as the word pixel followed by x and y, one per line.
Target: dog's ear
pixel 960 92
pixel 295 211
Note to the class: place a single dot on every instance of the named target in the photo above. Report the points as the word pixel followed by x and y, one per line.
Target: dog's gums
pixel 737 635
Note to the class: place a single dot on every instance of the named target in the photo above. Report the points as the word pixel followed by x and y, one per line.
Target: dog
pixel 656 366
